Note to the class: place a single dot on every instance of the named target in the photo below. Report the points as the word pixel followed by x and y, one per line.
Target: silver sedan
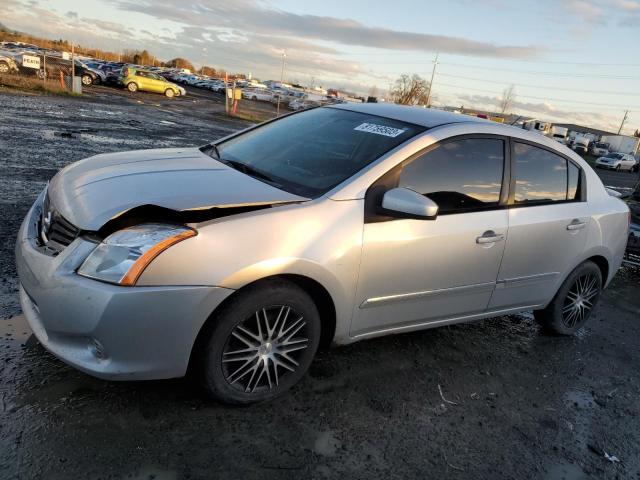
pixel 240 258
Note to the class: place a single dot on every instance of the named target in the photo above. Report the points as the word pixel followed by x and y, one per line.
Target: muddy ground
pixel 514 403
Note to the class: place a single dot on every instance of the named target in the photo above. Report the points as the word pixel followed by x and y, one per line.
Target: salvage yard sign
pixel 29 61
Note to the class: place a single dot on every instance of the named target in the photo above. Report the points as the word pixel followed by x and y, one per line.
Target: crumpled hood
pixel 91 192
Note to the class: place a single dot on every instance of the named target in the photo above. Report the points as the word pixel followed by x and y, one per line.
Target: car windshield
pixel 311 152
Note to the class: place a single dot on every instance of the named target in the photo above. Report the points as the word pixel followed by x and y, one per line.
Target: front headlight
pixel 122 256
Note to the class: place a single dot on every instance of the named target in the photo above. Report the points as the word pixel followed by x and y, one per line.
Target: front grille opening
pixel 54 231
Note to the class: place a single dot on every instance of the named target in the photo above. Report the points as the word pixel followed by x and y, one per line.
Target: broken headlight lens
pixel 122 256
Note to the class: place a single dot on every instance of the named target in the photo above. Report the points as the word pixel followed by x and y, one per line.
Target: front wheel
pixel 4 67
pixel 570 309
pixel 132 87
pixel 169 93
pixel 260 344
pixel 617 168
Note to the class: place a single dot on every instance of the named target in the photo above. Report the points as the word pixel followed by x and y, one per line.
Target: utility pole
pixel 433 74
pixel 284 56
pixel 73 68
pixel 624 120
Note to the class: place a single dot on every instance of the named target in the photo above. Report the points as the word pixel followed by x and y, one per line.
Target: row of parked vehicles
pixel 293 98
pixel 28 59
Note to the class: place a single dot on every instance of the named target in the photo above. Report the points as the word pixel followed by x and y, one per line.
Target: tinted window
pixel 309 153
pixel 541 176
pixel 458 175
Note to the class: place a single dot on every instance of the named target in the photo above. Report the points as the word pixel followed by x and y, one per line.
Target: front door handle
pixel 576 224
pixel 489 237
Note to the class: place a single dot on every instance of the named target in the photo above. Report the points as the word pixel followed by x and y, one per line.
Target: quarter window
pixel 543 176
pixel 460 175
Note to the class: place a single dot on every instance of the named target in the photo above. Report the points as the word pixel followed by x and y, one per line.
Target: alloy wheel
pixel 264 348
pixel 580 300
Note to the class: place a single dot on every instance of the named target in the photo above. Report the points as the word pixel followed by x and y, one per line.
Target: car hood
pixel 93 191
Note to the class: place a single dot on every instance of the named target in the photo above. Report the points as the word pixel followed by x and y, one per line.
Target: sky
pixel 574 61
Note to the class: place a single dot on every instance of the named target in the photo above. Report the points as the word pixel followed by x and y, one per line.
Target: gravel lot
pixel 514 403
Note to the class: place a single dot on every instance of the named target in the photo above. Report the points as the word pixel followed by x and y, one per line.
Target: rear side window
pixel 461 175
pixel 543 176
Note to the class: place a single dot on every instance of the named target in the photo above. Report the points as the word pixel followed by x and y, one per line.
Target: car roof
pixel 426 117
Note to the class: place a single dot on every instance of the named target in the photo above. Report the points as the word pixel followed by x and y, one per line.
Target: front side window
pixel 543 176
pixel 311 152
pixel 460 175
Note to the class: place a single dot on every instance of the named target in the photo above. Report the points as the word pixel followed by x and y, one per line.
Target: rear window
pixel 311 152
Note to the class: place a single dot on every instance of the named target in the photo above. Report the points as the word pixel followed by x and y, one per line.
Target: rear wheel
pixel 260 344
pixel 4 67
pixel 169 93
pixel 87 80
pixel 132 87
pixel 570 309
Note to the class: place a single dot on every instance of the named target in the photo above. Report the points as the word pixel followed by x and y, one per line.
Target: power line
pixel 536 86
pixel 546 62
pixel 560 100
pixel 532 72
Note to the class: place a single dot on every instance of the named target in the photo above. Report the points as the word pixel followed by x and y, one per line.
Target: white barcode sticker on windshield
pixel 379 129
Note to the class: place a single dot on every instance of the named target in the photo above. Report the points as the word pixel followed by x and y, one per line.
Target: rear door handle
pixel 576 224
pixel 489 237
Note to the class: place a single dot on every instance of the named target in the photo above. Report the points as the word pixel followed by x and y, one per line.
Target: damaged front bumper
pixel 111 332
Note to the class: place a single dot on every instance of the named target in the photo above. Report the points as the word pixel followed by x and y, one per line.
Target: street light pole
pixel 284 56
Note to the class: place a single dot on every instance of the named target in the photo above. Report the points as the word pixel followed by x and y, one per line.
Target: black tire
pixel 132 87
pixel 254 98
pixel 87 80
pixel 574 302
pixel 264 310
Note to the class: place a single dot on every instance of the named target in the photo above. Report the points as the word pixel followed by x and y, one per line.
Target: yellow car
pixel 143 80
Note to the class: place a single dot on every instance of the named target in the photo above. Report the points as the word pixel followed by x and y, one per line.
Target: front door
pixel 421 271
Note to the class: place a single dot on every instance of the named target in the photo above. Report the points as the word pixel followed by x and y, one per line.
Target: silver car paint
pixel 90 192
pixel 441 275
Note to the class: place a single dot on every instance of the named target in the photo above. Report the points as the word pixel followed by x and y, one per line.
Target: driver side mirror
pixel 402 202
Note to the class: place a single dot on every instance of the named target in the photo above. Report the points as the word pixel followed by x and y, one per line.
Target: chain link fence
pixel 40 71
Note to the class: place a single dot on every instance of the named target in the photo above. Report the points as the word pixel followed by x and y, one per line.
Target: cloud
pixel 249 16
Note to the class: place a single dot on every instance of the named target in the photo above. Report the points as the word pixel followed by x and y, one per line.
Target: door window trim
pixel 391 179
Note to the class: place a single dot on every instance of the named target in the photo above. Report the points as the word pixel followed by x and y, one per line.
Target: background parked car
pixel 7 64
pixel 599 149
pixel 261 94
pixel 618 161
pixel 143 80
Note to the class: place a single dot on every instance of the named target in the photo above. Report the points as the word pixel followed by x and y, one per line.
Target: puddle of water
pixel 152 472
pixel 326 444
pixel 580 399
pixel 565 471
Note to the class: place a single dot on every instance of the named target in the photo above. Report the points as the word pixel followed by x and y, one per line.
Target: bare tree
pixel 410 90
pixel 508 98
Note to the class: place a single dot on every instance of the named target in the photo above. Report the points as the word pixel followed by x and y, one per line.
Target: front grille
pixel 56 233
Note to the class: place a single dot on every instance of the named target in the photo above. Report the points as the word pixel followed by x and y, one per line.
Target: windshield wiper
pixel 249 170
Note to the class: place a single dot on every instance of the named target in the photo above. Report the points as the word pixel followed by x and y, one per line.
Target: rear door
pixel 548 219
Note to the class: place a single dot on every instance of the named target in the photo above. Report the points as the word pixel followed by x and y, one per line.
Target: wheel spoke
pixel 263 348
